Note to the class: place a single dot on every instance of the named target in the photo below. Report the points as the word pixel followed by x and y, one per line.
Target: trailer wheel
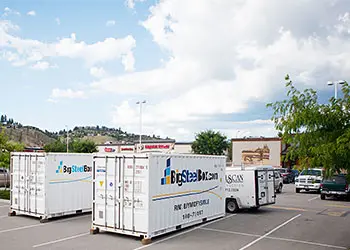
pixel 231 206
pixel 323 196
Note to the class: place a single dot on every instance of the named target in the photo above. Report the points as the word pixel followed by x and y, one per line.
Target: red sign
pixel 109 150
pixel 157 146
pixel 127 149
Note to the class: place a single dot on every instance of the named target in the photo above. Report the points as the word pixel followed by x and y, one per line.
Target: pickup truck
pixel 309 179
pixel 4 177
pixel 336 185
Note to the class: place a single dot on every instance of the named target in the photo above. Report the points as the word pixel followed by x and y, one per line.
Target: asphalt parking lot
pixel 296 221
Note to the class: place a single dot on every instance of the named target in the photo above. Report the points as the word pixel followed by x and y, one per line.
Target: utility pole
pixel 140 103
pixel 67 138
pixel 330 83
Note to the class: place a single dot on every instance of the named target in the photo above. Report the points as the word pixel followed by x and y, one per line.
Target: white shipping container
pixel 147 195
pixel 251 187
pixel 47 185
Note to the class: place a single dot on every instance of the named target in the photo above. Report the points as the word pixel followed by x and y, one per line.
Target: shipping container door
pixel 36 184
pixel 107 191
pixel 266 191
pixel 120 192
pixel 28 176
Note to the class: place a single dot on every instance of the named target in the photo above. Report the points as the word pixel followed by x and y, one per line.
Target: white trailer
pixel 150 194
pixel 250 187
pixel 46 185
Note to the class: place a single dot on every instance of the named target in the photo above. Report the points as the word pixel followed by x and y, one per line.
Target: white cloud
pixel 131 3
pixel 110 23
pixel 58 21
pixel 42 65
pixel 8 12
pixel 66 93
pixel 97 72
pixel 31 13
pixel 29 50
pixel 223 57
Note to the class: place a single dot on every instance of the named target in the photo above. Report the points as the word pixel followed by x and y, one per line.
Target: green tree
pixel 83 146
pixel 210 143
pixel 74 146
pixel 6 147
pixel 318 134
pixel 56 146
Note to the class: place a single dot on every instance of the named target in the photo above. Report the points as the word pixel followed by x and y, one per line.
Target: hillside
pixel 29 136
pixel 103 134
pixel 35 137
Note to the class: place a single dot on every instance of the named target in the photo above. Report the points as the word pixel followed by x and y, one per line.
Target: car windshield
pixel 311 172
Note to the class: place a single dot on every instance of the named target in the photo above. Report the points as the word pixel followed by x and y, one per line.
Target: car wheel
pixel 323 196
pixel 279 190
pixel 297 190
pixel 231 206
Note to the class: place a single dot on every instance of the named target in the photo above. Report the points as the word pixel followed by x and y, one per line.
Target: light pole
pixel 67 137
pixel 139 102
pixel 330 83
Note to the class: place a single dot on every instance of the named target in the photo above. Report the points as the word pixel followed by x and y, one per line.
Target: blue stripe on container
pixel 68 181
pixel 181 195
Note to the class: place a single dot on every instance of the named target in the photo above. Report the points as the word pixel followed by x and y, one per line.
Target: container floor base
pixel 12 213
pixel 44 220
pixel 94 230
pixel 146 241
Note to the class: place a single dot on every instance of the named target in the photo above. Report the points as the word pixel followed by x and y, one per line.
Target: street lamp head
pixel 330 83
pixel 341 82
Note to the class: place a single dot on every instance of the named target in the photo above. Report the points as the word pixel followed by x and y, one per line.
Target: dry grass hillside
pixel 29 136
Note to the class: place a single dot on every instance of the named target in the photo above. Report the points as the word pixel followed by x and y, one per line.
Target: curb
pixel 5 201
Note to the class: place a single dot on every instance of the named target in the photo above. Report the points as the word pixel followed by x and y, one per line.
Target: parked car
pixel 278 181
pixel 287 175
pixel 309 179
pixel 295 173
pixel 4 177
pixel 336 185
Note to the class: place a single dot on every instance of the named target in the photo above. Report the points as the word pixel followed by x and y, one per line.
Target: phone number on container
pixel 193 214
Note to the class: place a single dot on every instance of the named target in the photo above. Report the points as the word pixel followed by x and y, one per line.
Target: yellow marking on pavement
pixel 336 205
pixel 290 208
pixel 338 214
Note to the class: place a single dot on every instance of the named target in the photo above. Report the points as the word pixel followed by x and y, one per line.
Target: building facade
pixel 256 151
pixel 147 146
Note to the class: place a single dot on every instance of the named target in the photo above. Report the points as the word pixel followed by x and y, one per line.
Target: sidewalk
pixel 5 201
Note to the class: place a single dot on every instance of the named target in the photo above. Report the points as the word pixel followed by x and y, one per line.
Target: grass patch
pixel 5 194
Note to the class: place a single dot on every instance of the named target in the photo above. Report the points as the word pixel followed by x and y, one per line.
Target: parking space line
pixel 274 238
pixel 60 240
pixel 185 232
pixel 305 242
pixel 312 198
pixel 229 232
pixel 5 206
pixel 41 224
pixel 270 232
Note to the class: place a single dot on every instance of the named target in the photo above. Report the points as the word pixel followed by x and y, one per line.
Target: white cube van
pixel 251 187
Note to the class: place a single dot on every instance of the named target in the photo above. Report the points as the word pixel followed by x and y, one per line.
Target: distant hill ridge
pixel 32 136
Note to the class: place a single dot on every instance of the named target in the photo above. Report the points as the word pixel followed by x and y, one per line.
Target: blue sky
pixel 198 64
